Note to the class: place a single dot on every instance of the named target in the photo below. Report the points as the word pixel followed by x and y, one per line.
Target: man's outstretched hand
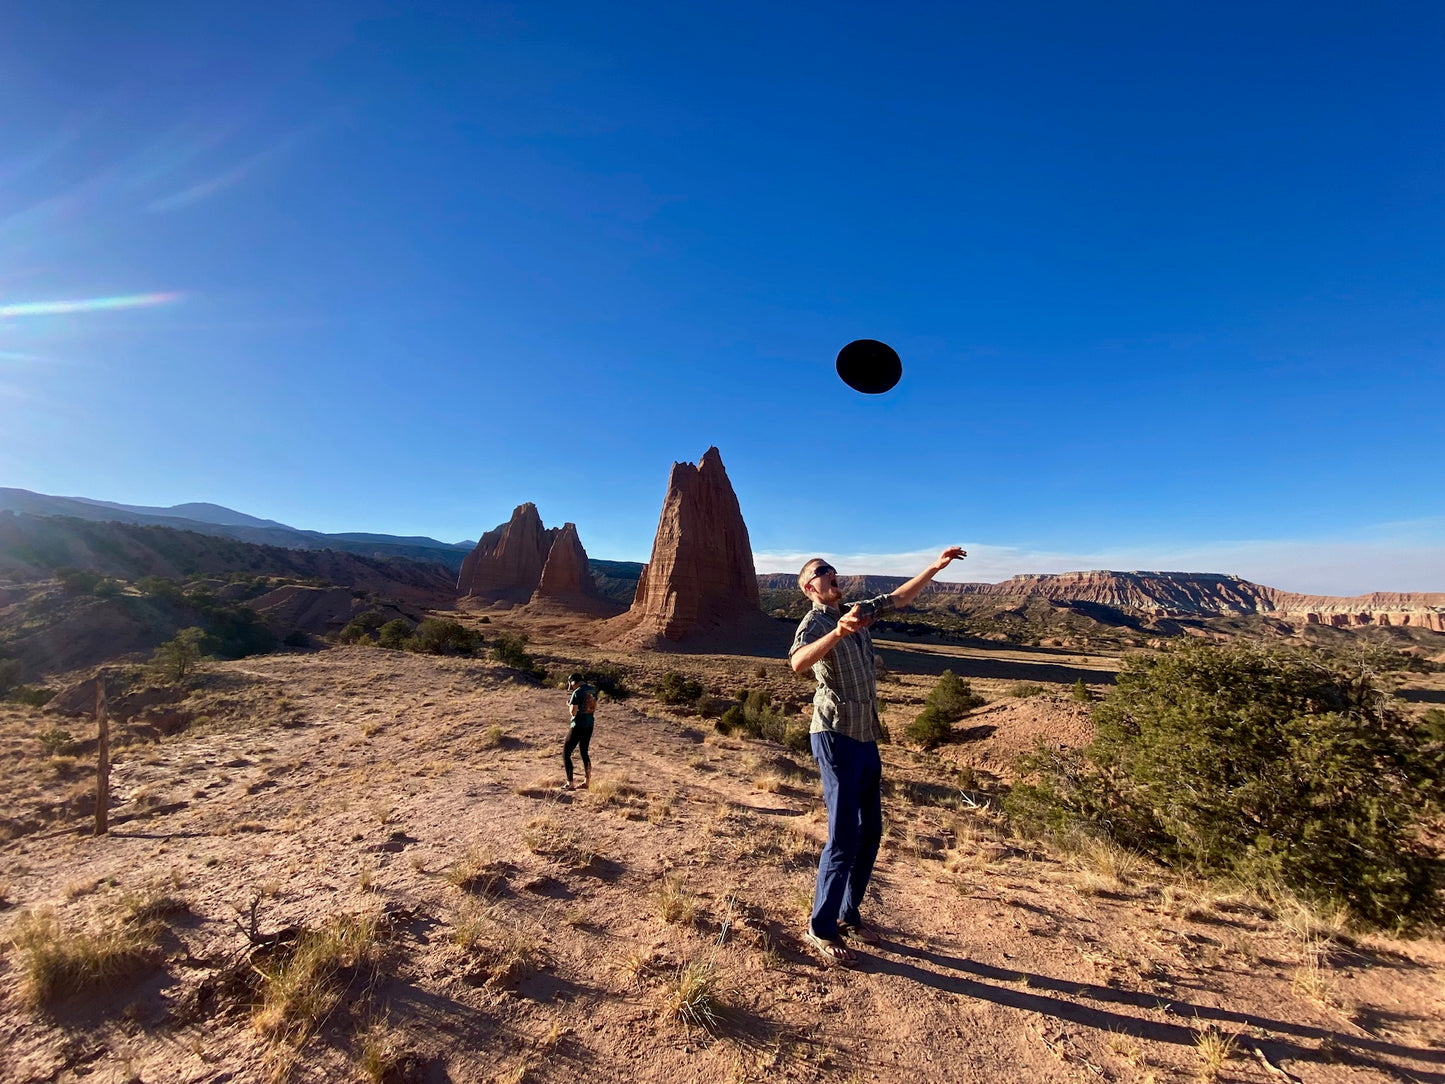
pixel 948 556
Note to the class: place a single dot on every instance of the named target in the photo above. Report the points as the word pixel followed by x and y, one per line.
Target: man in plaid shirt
pixel 839 650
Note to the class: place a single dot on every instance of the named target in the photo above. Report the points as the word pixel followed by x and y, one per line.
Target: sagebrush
pixel 1280 766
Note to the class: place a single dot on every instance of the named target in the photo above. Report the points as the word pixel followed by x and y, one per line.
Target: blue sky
pixel 1167 279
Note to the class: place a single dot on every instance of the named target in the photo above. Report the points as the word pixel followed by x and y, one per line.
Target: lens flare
pixel 86 304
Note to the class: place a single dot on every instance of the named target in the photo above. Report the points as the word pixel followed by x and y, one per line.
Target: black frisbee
pixel 869 366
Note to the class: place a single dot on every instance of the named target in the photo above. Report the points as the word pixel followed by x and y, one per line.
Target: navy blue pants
pixel 852 779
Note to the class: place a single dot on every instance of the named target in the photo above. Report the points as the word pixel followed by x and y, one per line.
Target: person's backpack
pixel 589 700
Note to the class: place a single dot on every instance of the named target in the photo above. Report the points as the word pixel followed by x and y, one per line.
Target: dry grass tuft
pixel 578 916
pixel 492 737
pixel 1126 1047
pixel 544 836
pixel 379 1053
pixel 1214 1049
pixel 542 786
pixel 151 905
pixel 301 990
pixel 1311 978
pixel 475 872
pixel 692 996
pixel 675 903
pixel 608 789
pixel 637 968
pixel 770 782
pixel 56 962
pixel 1309 924
pixel 502 951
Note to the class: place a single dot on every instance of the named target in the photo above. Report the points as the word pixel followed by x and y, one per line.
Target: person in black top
pixel 581 704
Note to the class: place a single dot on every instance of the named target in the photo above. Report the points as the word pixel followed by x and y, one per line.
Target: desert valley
pixel 336 844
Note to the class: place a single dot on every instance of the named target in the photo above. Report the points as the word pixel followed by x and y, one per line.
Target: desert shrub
pixel 950 699
pixel 34 696
pixel 354 632
pixel 179 656
pixel 301 988
pixel 608 679
pixel 159 587
pixel 296 638
pixel 56 741
pixel 236 631
pixel 1278 766
pixel 11 671
pixel 394 634
pixel 797 736
pixel 677 688
pixel 510 649
pixel 439 636
pixel 78 581
pixel 360 628
pixel 929 728
pixel 730 720
pixel 1434 723
pixel 1025 689
pixel 107 588
pixel 1081 692
pixel 758 718
pixel 953 696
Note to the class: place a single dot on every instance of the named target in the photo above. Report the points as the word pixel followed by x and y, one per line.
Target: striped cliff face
pixel 1176 594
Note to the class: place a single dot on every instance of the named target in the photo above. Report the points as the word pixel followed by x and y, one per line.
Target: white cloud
pixel 1314 566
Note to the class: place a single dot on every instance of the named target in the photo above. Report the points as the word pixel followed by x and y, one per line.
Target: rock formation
pixel 566 576
pixel 700 582
pixel 522 561
pixel 507 564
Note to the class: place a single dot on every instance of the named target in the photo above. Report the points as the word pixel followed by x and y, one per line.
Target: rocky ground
pixel 396 820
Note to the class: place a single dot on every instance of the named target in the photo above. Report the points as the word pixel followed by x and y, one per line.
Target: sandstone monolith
pixel 566 575
pixel 507 564
pixel 700 581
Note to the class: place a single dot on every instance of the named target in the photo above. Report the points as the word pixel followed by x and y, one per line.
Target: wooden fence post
pixel 102 760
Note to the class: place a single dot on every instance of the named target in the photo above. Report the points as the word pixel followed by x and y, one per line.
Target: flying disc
pixel 869 366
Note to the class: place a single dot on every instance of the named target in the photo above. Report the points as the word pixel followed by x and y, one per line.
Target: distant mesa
pixel 1178 594
pixel 700 583
pixel 522 561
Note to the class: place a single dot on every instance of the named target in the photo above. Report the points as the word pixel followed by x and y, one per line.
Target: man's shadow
pixel 977 980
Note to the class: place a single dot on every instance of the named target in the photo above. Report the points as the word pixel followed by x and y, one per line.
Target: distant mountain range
pixel 213 519
pixel 1156 593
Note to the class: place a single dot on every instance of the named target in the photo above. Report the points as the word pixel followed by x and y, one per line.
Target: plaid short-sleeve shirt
pixel 847 698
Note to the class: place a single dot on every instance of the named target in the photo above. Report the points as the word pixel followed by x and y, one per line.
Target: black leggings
pixel 579 736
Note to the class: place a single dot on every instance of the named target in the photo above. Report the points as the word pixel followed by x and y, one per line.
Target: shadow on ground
pixel 972 979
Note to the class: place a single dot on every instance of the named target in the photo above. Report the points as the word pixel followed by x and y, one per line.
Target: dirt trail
pixel 394 769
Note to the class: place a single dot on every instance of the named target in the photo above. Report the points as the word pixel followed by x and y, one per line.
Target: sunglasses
pixel 822 570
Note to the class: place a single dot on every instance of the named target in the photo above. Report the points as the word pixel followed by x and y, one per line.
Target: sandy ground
pixel 360 781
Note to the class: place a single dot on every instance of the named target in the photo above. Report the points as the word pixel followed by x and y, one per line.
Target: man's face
pixel 823 586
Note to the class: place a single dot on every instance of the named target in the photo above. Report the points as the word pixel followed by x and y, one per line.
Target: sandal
pixel 833 951
pixel 861 930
